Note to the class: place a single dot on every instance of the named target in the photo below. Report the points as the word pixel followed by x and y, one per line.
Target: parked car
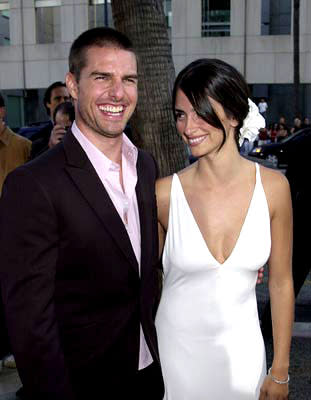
pixel 29 131
pixel 277 153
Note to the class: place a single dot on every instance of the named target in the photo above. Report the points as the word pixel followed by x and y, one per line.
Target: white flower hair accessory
pixel 251 124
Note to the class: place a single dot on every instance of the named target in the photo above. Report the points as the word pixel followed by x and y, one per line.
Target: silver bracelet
pixel 274 379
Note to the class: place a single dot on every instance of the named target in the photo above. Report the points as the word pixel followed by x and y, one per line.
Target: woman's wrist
pixel 277 379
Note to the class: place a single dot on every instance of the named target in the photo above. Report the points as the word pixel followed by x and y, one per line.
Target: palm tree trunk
pixel 296 56
pixel 152 124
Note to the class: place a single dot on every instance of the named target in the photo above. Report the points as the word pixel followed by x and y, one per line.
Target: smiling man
pixel 79 243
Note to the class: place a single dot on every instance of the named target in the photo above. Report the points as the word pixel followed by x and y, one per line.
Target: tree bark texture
pixel 296 54
pixel 152 124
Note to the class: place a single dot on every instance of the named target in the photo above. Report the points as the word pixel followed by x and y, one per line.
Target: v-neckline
pixel 242 227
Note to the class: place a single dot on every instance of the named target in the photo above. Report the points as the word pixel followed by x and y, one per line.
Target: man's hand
pixel 57 135
pixel 260 275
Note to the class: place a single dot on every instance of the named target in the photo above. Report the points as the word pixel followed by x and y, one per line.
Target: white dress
pixel 210 342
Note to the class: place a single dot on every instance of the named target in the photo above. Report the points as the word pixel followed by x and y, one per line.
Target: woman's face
pixel 200 136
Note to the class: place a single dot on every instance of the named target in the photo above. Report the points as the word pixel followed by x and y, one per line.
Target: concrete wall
pixel 37 65
pixel 262 59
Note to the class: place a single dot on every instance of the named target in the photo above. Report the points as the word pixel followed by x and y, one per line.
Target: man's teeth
pixel 111 109
pixel 196 140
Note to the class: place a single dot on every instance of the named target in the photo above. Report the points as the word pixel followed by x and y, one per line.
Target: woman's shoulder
pixel 273 179
pixel 164 185
pixel 276 187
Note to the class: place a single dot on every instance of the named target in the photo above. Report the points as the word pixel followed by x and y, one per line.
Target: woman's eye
pixel 179 115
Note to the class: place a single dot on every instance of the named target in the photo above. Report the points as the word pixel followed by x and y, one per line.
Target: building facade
pixel 256 36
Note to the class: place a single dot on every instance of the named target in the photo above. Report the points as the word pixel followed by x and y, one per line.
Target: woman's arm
pixel 163 190
pixel 280 284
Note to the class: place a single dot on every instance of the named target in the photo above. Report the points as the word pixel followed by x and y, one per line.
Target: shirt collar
pixel 129 151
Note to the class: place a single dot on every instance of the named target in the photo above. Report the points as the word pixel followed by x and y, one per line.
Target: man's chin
pixel 110 134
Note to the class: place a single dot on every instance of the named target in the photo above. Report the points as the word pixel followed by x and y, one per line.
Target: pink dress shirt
pixel 125 201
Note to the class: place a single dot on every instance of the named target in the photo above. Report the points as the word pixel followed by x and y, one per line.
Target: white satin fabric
pixel 210 342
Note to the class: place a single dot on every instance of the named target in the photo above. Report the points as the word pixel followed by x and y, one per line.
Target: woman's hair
pixel 66 108
pixel 220 81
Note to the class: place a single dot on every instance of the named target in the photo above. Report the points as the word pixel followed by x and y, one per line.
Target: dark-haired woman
pixel 223 218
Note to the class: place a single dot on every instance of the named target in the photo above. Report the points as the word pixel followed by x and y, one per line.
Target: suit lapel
pixel 91 188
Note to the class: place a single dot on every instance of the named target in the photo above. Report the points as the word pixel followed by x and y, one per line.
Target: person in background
pixel 273 131
pixel 282 120
pixel 282 132
pixel 263 137
pixel 297 125
pixel 63 117
pixel 55 94
pixel 263 107
pixel 14 151
pixel 305 123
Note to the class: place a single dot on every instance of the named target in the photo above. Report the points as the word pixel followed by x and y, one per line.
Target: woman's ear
pixel 233 122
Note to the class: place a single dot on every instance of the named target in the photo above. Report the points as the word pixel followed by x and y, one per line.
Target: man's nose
pixel 116 89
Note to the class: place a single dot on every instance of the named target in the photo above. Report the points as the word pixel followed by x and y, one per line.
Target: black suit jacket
pixel 71 288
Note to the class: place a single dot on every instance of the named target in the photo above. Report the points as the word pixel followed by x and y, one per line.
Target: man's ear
pixel 72 85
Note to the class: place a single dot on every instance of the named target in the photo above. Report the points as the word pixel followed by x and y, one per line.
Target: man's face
pixel 58 95
pixel 2 113
pixel 106 94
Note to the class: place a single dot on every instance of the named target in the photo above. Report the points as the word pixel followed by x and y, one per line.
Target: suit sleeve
pixel 28 254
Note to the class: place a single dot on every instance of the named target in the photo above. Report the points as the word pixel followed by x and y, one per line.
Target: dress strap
pixel 258 176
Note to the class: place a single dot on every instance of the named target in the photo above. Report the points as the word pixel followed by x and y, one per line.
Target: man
pixel 55 94
pixel 78 229
pixel 14 151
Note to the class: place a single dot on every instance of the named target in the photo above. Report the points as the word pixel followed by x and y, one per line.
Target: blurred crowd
pixel 278 131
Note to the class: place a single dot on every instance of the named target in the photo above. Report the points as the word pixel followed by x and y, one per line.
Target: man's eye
pixel 131 81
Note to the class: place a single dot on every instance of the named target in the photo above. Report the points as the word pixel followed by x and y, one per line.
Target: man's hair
pixel 2 103
pixel 48 93
pixel 66 108
pixel 101 37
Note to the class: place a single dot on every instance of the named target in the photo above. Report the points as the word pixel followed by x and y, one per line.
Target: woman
pixel 223 218
pixel 282 132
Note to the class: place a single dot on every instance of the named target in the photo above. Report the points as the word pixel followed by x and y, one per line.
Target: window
pixel 100 13
pixel 167 5
pixel 48 21
pixel 4 23
pixel 215 18
pixel 276 17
